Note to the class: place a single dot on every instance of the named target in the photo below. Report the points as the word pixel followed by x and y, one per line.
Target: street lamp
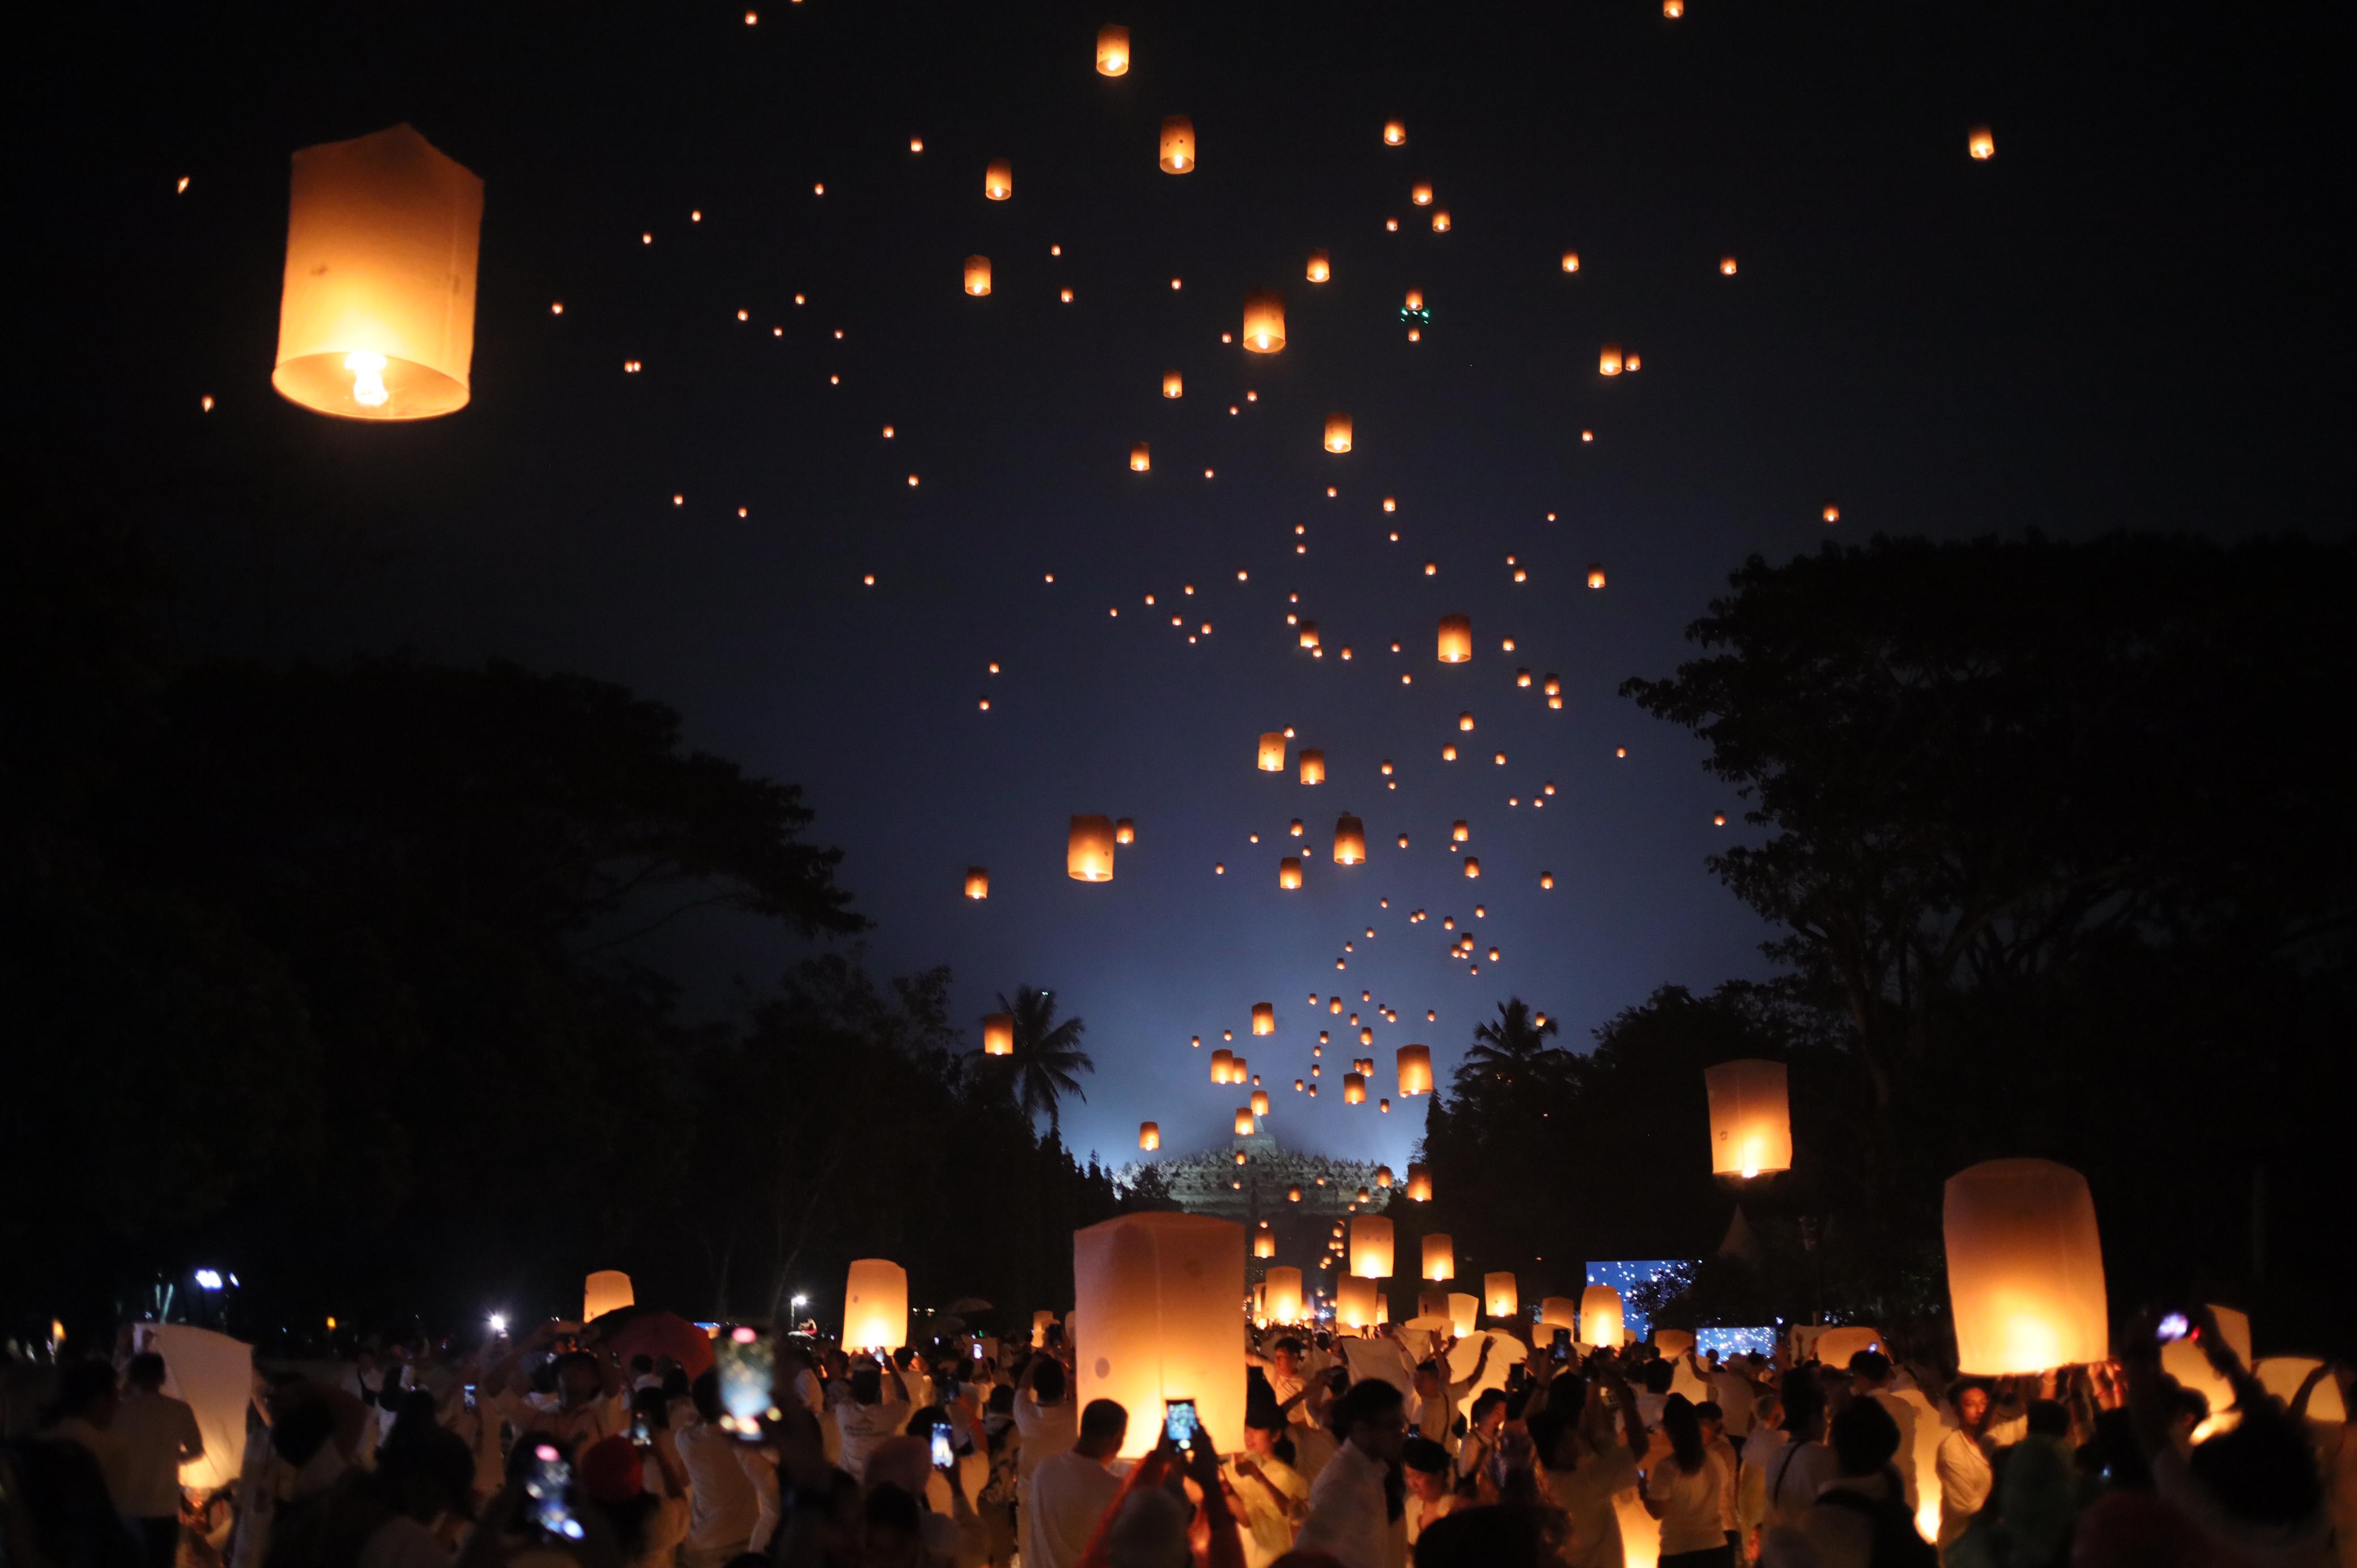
pixel 208 1279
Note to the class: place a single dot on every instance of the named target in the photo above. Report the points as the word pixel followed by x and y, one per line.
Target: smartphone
pixel 640 1433
pixel 745 1359
pixel 943 1454
pixel 1055 1334
pixel 547 1508
pixel 1562 1351
pixel 2172 1327
pixel 470 1398
pixel 977 1350
pixel 1179 1423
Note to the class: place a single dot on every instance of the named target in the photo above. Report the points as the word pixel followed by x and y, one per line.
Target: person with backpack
pixel 1861 1519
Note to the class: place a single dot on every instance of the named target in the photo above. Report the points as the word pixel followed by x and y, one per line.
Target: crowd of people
pixel 1358 1451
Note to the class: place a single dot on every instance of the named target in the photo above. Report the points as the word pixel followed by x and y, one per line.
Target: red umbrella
pixel 641 1331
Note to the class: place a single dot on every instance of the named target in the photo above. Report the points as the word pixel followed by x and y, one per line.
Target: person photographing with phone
pixel 1070 1492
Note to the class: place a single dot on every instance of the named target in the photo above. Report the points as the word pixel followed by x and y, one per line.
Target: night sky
pixel 2122 320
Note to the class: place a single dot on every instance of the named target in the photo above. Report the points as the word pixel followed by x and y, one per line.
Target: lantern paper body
pixel 1289 873
pixel 1263 1246
pixel 1464 1313
pixel 1608 359
pixel 1338 433
pixel 1239 1071
pixel 1281 1297
pixel 607 1289
pixel 1439 1256
pixel 875 1305
pixel 1124 831
pixel 1750 1119
pixel 1313 766
pixel 1499 1295
pixel 1263 1018
pixel 1472 866
pixel 1560 1312
pixel 1272 752
pixel 1837 1346
pixel 1321 267
pixel 998 179
pixel 1174 385
pixel 998 1034
pixel 376 315
pixel 1177 154
pixel 1309 634
pixel 1141 458
pixel 1158 1292
pixel 1394 134
pixel 1354 1301
pixel 1371 1247
pixel 2282 1376
pixel 1040 1321
pixel 1415 1070
pixel 1674 1341
pixel 1432 1303
pixel 1981 143
pixel 2185 1360
pixel 1149 1135
pixel 1350 841
pixel 2025 1268
pixel 1456 638
pixel 1419 1184
pixel 977 275
pixel 1600 1315
pixel 1264 330
pixel 1087 853
pixel 1244 1121
pixel 1113 51
pixel 1354 1089
pixel 1223 1066
pixel 977 882
pixel 1259 1101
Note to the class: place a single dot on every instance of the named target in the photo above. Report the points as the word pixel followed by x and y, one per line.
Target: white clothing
pixel 1586 1493
pixel 1267 1506
pixel 1760 1453
pixel 403 1543
pixel 865 1425
pixel 1695 1507
pixel 574 1429
pixel 732 1489
pixel 1068 1494
pixel 1965 1481
pixel 103 1446
pixel 1920 1431
pixel 158 1433
pixel 1737 1401
pixel 1795 1477
pixel 1048 1430
pixel 1347 1516
pixel 2303 1543
pixel 1421 1515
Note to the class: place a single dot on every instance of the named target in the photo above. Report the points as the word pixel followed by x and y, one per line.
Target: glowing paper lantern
pixel 1125 831
pixel 1835 1347
pixel 998 179
pixel 1177 143
pixel 1259 1101
pixel 1599 1316
pixel 1498 1295
pixel 1382 1175
pixel 977 882
pixel 607 1289
pixel 1264 330
pixel 1354 1089
pixel 1088 850
pixel 1355 1303
pixel 1440 1257
pixel 1981 143
pixel 1113 51
pixel 1420 193
pixel 1141 458
pixel 1239 1071
pixel 1595 575
pixel 875 1305
pixel 1608 359
pixel 1289 873
pixel 977 275
pixel 1415 1070
pixel 1751 1118
pixel 1313 766
pixel 1263 1246
pixel 1419 1184
pixel 1440 220
pixel 1456 638
pixel 1371 1247
pixel 1560 1312
pixel 1281 1295
pixel 1244 1121
pixel 1394 134
pixel 1464 1313
pixel 1264 1017
pixel 1309 634
pixel 1338 433
pixel 1149 1135
pixel 1472 866
pixel 376 312
pixel 1350 841
pixel 1158 1292
pixel 1272 752
pixel 1040 1322
pixel 998 1033
pixel 1223 1066
pixel 1321 267
pixel 1571 260
pixel 2282 1376
pixel 1174 385
pixel 2025 1268
pixel 2185 1360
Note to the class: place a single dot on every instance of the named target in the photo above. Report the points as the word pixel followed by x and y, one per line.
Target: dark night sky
pixel 2122 321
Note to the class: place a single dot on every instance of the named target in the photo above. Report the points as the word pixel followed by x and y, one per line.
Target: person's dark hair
pixel 1001 1401
pixel 301 1422
pixel 1871 1365
pixel 867 1385
pixel 1495 1537
pixel 674 1381
pixel 425 1472
pixel 81 1384
pixel 1289 1344
pixel 642 1365
pixel 1423 1453
pixel 706 1392
pixel 1804 1400
pixel 144 1371
pixel 1103 1421
pixel 651 1404
pixel 1367 1402
pixel 413 1416
pixel 889 1507
pixel 578 1358
pixel 1684 1429
pixel 2262 1472
pixel 1863 1437
pixel 2050 1418
pixel 1484 1402
pixel 1707 1409
pixel 66 1506
pixel 1658 1376
pixel 921 1422
pixel 1047 1382
pixel 1957 1388
pixel 2112 1458
pixel 1547 1428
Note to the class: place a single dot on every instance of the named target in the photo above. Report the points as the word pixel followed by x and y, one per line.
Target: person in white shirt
pixel 1430 1495
pixel 1483 1423
pixel 1437 1396
pixel 1760 1453
pixel 1269 1492
pixel 1801 1467
pixel 158 1434
pixel 1044 1417
pixel 1069 1492
pixel 1687 1489
pixel 588 1407
pixel 1736 1395
pixel 1586 1462
pixel 1356 1508
pixel 732 1486
pixel 86 1406
pixel 869 1416
pixel 1839 1530
pixel 1966 1476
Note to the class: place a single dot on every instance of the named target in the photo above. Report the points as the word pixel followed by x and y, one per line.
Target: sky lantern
pixel 1832 514
pixel 998 179
pixel 1259 1108
pixel 1419 1183
pixel 1415 1070
pixel 1751 1118
pixel 1421 193
pixel 1981 143
pixel 1458 833
pixel 875 1305
pixel 1350 841
pixel 1272 751
pixel 977 882
pixel 1149 1135
pixel 1354 1303
pixel 376 312
pixel 1498 1295
pixel 2025 1268
pixel 1371 1247
pixel 1088 850
pixel 1354 1089
pixel 1244 1121
pixel 998 1033
pixel 1222 1064
pixel 1174 385
pixel 1472 866
pixel 1293 1195
pixel 2282 1376
pixel 1546 880
pixel 1382 1175
pixel 1727 266
pixel 1313 766
pixel 1394 134
pixel 1321 267
pixel 1113 50
pixel 1158 1293
pixel 1439 1257
pixel 977 275
pixel 1289 873
pixel 607 1289
pixel 1571 260
pixel 1141 458
pixel 1239 1071
pixel 1440 220
pixel 1264 330
pixel 1456 638
pixel 1177 143
pixel 1338 433
pixel 1559 1312
pixel 1264 1017
pixel 1608 359
pixel 1309 636
pixel 1282 1295
pixel 1595 574
pixel 1263 1245
pixel 1599 1316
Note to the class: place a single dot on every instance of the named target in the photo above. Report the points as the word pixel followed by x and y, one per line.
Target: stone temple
pixel 1213 1183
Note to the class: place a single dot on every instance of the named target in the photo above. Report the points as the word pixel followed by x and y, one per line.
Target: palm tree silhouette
pixel 1511 1048
pixel 1046 1055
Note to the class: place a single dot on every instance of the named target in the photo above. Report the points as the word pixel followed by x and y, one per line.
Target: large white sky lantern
pixel 1751 1118
pixel 875 1305
pixel 1599 1316
pixel 2025 1268
pixel 376 319
pixel 1158 1294
pixel 607 1289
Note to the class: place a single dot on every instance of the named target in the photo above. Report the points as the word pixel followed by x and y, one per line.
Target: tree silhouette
pixel 1046 1055
pixel 1512 1048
